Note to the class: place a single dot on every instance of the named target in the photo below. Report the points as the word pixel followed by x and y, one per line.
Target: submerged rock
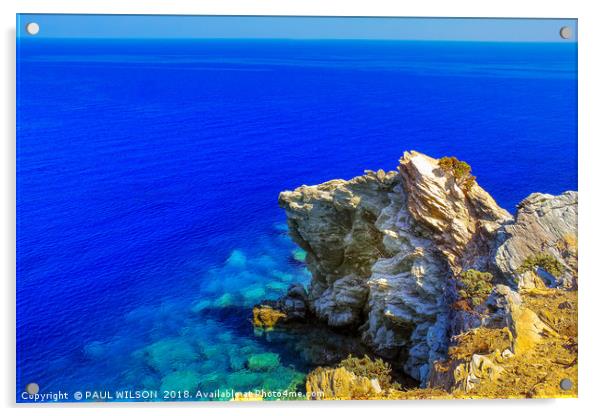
pixel 95 350
pixel 253 294
pixel 263 362
pixel 237 361
pixel 299 255
pixel 224 301
pixel 170 355
pixel 180 381
pixel 237 259
pixel 201 306
pixel 278 287
pixel 244 380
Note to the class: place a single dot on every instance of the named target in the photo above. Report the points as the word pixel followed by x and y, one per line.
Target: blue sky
pixel 140 26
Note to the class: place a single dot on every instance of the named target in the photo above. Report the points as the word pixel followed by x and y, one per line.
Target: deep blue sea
pixel 148 175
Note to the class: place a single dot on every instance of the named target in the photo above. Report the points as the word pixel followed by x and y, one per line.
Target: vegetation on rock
pixel 474 286
pixel 366 367
pixel 480 341
pixel 538 371
pixel 544 261
pixel 567 247
pixel 459 169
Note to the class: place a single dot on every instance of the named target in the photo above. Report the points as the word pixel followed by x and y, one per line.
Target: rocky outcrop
pixel 385 250
pixel 290 307
pixel 335 223
pixel 461 222
pixel 544 224
pixel 383 247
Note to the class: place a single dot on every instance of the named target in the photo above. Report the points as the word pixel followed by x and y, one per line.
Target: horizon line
pixel 453 29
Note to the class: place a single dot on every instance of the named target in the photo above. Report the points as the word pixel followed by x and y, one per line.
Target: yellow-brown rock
pixel 480 368
pixel 528 330
pixel 538 351
pixel 266 317
pixel 339 384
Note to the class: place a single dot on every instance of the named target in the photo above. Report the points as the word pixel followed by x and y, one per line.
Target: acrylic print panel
pixel 292 208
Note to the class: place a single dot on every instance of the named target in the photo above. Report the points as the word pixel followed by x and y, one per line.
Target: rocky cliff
pixel 386 251
pixel 383 247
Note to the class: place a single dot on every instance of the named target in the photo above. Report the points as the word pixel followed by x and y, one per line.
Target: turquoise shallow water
pixel 148 175
pixel 202 340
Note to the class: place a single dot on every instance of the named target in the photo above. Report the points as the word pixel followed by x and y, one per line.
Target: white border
pixel 590 135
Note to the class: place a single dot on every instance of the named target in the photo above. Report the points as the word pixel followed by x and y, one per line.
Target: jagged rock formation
pixel 461 222
pixel 384 250
pixel 335 224
pixel 544 223
pixel 383 247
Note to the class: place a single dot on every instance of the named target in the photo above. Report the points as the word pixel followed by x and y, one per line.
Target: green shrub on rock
pixel 474 286
pixel 542 260
pixel 366 367
pixel 459 169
